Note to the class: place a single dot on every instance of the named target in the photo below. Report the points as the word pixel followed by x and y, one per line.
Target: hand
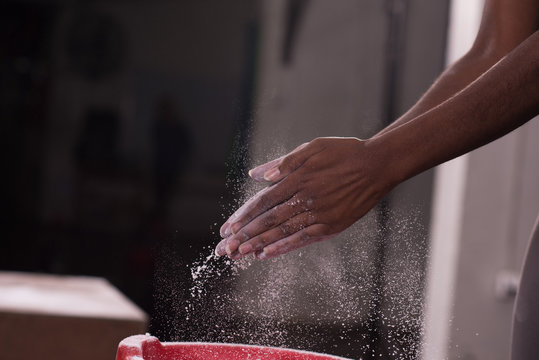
pixel 314 193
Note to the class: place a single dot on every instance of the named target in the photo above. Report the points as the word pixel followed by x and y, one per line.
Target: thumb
pixel 278 169
pixel 258 172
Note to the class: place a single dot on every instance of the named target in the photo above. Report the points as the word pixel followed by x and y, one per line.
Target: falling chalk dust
pixel 324 295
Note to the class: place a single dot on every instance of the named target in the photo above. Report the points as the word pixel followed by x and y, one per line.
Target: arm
pixel 505 24
pixel 326 185
pixel 500 100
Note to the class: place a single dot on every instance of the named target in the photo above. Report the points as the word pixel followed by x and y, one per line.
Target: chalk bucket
pixel 146 347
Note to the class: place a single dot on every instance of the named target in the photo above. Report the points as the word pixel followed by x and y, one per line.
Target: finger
pixel 223 249
pixel 282 230
pixel 284 167
pixel 262 255
pixel 225 230
pixel 291 162
pixel 258 172
pixel 262 202
pixel 220 248
pixel 235 256
pixel 306 236
pixel 267 220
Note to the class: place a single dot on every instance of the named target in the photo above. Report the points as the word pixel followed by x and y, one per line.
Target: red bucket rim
pixel 135 347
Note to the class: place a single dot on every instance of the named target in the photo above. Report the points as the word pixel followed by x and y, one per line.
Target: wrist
pixel 389 160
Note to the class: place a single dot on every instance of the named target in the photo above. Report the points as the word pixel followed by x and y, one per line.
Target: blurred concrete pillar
pixel 448 202
pixel 501 203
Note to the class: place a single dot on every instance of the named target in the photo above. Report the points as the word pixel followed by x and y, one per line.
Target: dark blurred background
pixel 120 123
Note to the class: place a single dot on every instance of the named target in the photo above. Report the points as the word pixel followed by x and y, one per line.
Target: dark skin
pixel 324 186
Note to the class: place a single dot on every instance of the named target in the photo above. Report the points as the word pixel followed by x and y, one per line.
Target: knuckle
pixel 290 162
pixel 294 202
pixel 304 236
pixel 259 243
pixel 328 231
pixel 320 142
pixel 270 220
pixel 264 201
pixel 243 236
pixel 309 217
pixel 312 217
pixel 286 228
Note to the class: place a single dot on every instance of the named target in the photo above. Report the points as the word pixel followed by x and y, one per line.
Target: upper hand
pixel 314 193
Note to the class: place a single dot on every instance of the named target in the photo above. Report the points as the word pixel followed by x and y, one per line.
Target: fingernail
pixel 236 256
pixel 245 249
pixel 272 174
pixel 225 230
pixel 219 251
pixel 262 255
pixel 228 250
pixel 234 228
pixel 256 174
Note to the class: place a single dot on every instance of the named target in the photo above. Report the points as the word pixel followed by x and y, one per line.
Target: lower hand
pixel 314 193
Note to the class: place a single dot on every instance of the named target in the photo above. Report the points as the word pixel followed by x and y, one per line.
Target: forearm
pixel 451 81
pixel 505 24
pixel 499 101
